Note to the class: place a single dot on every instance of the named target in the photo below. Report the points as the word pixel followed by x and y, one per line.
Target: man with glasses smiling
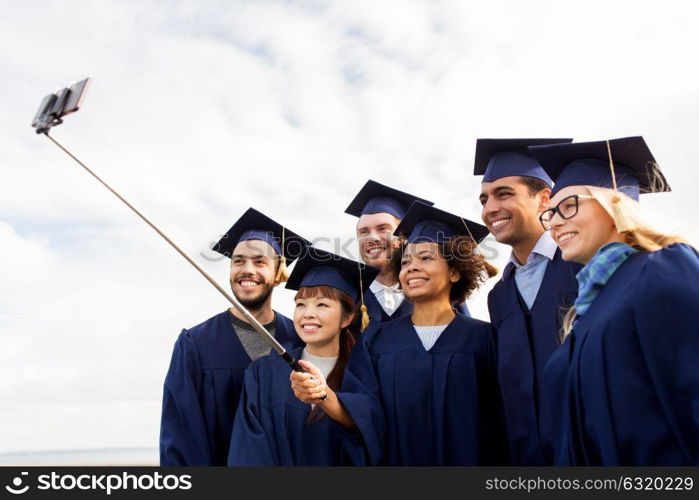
pixel 528 304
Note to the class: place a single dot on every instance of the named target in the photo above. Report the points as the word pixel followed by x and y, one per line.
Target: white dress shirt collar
pixel 545 247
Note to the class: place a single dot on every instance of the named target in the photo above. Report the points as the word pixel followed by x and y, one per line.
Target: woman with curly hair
pixel 422 389
pixel 625 383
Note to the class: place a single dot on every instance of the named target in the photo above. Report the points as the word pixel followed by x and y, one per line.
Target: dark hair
pixel 461 255
pixel 533 184
pixel 347 339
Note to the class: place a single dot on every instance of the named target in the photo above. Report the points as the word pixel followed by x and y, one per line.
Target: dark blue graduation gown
pixel 418 407
pixel 202 388
pixel 525 340
pixel 553 395
pixel 270 424
pixel 376 312
pixel 627 377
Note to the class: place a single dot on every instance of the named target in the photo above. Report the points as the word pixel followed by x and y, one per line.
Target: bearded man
pixel 203 384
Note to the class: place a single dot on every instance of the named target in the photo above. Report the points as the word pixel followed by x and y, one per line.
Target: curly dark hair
pixel 461 255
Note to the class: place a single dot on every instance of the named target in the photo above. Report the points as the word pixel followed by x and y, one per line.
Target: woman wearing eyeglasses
pixel 624 386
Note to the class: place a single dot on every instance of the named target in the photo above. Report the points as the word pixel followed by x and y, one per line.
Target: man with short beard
pixel 528 304
pixel 380 209
pixel 206 372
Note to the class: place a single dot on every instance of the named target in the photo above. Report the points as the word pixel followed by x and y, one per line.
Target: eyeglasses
pixel 567 208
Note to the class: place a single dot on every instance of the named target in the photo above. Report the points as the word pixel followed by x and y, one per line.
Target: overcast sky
pixel 199 110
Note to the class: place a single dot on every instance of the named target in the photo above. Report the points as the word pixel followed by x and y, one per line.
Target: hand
pixel 310 387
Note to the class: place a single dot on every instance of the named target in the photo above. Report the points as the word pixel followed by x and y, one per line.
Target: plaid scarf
pixel 596 274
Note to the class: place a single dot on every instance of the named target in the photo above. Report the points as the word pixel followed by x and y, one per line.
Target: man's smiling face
pixel 253 269
pixel 510 210
pixel 375 233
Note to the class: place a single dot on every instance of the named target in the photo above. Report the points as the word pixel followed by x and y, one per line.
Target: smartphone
pixel 75 97
pixel 59 104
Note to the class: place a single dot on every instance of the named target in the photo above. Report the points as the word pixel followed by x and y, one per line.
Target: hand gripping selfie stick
pixel 68 100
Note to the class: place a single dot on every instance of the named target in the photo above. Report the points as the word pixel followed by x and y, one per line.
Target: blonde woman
pixel 625 383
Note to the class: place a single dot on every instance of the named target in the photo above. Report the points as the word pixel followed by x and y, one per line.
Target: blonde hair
pixel 632 224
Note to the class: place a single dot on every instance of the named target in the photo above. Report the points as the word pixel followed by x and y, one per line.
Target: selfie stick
pixel 68 100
